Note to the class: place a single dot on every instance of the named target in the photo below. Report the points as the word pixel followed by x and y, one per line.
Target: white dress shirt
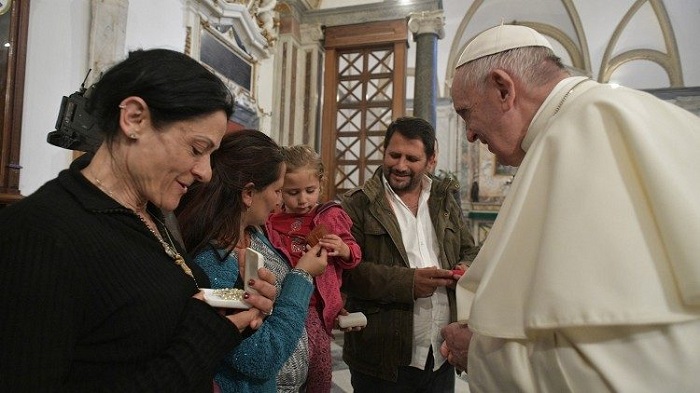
pixel 432 313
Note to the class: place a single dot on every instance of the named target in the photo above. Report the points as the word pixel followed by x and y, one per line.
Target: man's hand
pixel 427 279
pixel 455 348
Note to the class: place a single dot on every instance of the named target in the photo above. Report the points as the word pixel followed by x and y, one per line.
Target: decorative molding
pixel 232 24
pixel 427 22
pixel 372 33
pixel 268 18
pixel 578 59
pixel 107 35
pixel 580 35
pixel 254 34
pixel 686 97
pixel 381 11
pixel 311 34
pixel 669 61
pixel 456 49
pixel 579 53
pixel 188 41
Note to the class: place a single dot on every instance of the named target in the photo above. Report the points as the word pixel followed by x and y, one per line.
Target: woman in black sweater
pixel 94 293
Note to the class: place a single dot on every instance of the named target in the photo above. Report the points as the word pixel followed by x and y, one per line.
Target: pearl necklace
pixel 169 248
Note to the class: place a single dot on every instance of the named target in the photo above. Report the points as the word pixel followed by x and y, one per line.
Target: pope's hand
pixel 455 348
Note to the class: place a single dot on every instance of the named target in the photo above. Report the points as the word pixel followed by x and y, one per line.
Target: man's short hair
pixel 413 128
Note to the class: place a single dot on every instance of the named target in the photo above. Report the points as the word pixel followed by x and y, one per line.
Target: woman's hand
pixel 314 260
pixel 261 303
pixel 199 295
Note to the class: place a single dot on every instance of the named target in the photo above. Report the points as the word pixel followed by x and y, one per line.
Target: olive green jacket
pixel 381 286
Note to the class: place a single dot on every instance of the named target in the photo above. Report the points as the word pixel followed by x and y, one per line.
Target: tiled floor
pixel 341 374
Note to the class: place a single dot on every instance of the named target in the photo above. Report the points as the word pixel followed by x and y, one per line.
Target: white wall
pixel 56 65
pixel 57 58
pixel 156 24
pixel 265 93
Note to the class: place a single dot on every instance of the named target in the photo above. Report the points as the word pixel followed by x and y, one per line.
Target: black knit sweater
pixel 89 301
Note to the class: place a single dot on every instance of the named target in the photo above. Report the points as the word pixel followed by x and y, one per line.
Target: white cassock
pixel 589 280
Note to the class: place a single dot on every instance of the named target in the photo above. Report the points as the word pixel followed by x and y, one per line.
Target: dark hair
pixel 413 128
pixel 212 211
pixel 175 87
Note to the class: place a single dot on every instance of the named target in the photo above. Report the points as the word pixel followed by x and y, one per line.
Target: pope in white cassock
pixel 589 280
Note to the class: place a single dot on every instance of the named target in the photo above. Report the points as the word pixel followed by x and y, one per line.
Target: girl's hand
pixel 335 246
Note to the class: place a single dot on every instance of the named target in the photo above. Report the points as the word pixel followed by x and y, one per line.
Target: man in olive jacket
pixel 411 230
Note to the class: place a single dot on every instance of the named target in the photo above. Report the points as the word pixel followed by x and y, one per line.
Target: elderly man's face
pixel 487 120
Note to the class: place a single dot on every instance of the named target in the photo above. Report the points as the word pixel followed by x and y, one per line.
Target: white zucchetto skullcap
pixel 501 38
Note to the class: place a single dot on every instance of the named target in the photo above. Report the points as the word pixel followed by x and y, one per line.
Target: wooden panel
pixel 11 122
pixel 366 34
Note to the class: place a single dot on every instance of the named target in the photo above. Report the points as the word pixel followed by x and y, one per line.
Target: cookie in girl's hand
pixel 316 234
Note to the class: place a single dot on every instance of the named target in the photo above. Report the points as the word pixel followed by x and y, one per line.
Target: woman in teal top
pixel 222 218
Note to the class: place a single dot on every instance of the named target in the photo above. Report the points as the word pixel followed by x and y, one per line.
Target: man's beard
pixel 410 180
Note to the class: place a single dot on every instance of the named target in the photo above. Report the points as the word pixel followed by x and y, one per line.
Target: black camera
pixel 76 129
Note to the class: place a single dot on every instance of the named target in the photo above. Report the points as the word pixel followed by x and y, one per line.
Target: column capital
pixel 427 22
pixel 310 33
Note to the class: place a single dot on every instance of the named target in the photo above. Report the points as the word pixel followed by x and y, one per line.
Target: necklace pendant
pixel 171 253
pixel 169 249
pixel 180 261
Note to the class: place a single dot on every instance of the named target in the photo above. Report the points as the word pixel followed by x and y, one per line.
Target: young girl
pixel 289 231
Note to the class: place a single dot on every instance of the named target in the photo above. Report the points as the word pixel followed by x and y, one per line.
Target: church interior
pixel 329 73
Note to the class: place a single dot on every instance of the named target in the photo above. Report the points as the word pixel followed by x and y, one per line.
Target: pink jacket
pixel 333 217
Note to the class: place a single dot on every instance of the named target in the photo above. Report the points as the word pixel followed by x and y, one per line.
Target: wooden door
pixel 364 90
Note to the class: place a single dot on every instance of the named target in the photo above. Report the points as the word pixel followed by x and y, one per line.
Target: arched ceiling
pixel 638 43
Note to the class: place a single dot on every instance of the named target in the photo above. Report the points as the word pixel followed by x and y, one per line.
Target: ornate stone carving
pixel 311 33
pixel 268 19
pixel 107 35
pixel 254 22
pixel 426 22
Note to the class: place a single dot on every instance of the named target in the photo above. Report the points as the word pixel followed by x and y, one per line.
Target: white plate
pixel 253 261
pixel 218 302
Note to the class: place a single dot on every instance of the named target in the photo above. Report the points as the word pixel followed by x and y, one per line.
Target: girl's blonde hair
pixel 302 157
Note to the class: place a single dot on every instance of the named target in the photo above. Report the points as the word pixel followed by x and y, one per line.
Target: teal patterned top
pixel 253 365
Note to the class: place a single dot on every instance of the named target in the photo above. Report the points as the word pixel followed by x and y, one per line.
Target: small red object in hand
pixel 458 272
